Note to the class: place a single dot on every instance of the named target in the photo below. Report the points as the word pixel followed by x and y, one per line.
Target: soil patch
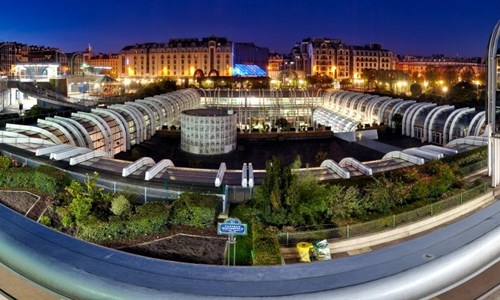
pixel 23 202
pixel 184 248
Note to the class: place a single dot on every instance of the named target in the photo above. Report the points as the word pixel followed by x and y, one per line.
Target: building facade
pixel 178 58
pixel 7 58
pixel 333 58
pixel 371 56
pixel 439 67
pixel 111 63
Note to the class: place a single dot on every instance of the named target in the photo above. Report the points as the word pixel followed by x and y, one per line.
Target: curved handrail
pixel 423 267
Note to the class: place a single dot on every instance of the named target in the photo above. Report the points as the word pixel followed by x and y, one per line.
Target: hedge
pixel 468 157
pixel 266 249
pixel 149 218
pixel 43 178
pixel 195 210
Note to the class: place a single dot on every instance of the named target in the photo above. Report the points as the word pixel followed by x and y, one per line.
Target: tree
pixel 431 74
pixel 282 123
pixel 397 122
pixel 86 201
pixel 343 203
pixel 286 199
pixel 370 75
pixel 416 90
pixel 463 92
pixel 274 196
pixel 320 157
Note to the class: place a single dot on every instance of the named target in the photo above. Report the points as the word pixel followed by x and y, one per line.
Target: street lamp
pixel 477 83
pixel 445 90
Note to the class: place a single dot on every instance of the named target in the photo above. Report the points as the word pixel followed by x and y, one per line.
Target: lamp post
pixel 477 82
pixel 445 91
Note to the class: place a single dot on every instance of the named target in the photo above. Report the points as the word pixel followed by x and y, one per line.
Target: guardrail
pixel 420 268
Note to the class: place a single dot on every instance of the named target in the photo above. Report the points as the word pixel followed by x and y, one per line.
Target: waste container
pixel 321 250
pixel 304 248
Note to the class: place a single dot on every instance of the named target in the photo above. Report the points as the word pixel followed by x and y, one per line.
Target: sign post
pixel 231 227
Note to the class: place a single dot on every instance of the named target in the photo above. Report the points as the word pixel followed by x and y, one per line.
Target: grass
pixel 244 244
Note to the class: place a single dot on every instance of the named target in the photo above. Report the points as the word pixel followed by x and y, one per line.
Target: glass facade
pixel 116 128
pixel 425 121
pixel 208 131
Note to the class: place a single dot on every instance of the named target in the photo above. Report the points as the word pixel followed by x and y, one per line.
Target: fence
pixel 356 230
pixel 473 167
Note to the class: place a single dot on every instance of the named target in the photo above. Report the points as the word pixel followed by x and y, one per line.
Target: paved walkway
pixel 12 286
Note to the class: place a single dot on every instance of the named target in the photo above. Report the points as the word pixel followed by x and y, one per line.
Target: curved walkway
pixel 422 267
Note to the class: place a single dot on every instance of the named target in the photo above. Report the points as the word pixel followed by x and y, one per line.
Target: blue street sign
pixel 232 226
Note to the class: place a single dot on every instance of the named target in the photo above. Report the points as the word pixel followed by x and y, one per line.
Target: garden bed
pixel 183 248
pixel 23 202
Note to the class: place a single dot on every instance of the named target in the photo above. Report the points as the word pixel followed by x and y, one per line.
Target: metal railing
pixel 392 221
pixel 473 167
pixel 145 192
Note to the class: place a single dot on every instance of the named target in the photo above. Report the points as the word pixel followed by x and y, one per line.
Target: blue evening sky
pixel 422 27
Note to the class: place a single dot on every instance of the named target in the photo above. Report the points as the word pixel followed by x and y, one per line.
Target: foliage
pixel 45 220
pixel 44 179
pixel 120 205
pixel 194 209
pixel 36 110
pixel 5 163
pixel 384 194
pixel 149 218
pixel 246 214
pixel 285 199
pixel 343 203
pixel 312 201
pixel 462 92
pixel 467 158
pixel 276 195
pixel 319 79
pixel 282 123
pixel 86 200
pixel 266 249
pixel 61 178
pixel 415 90
pixel 442 177
pixel 320 157
pixel 156 88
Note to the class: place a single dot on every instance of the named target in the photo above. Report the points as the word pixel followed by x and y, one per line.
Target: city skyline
pixel 452 28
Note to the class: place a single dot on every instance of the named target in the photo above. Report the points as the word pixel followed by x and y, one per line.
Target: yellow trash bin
pixel 303 248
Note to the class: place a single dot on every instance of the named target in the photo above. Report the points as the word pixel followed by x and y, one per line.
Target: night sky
pixel 422 27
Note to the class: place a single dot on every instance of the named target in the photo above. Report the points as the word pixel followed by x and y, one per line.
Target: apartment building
pixel 178 58
pixel 332 57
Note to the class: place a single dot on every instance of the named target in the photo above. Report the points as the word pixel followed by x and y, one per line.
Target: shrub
pixel 5 163
pixel 195 210
pixel 45 220
pixel 61 178
pixel 120 205
pixel 65 216
pixel 149 218
pixel 467 158
pixel 100 231
pixel 45 182
pixel 266 249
